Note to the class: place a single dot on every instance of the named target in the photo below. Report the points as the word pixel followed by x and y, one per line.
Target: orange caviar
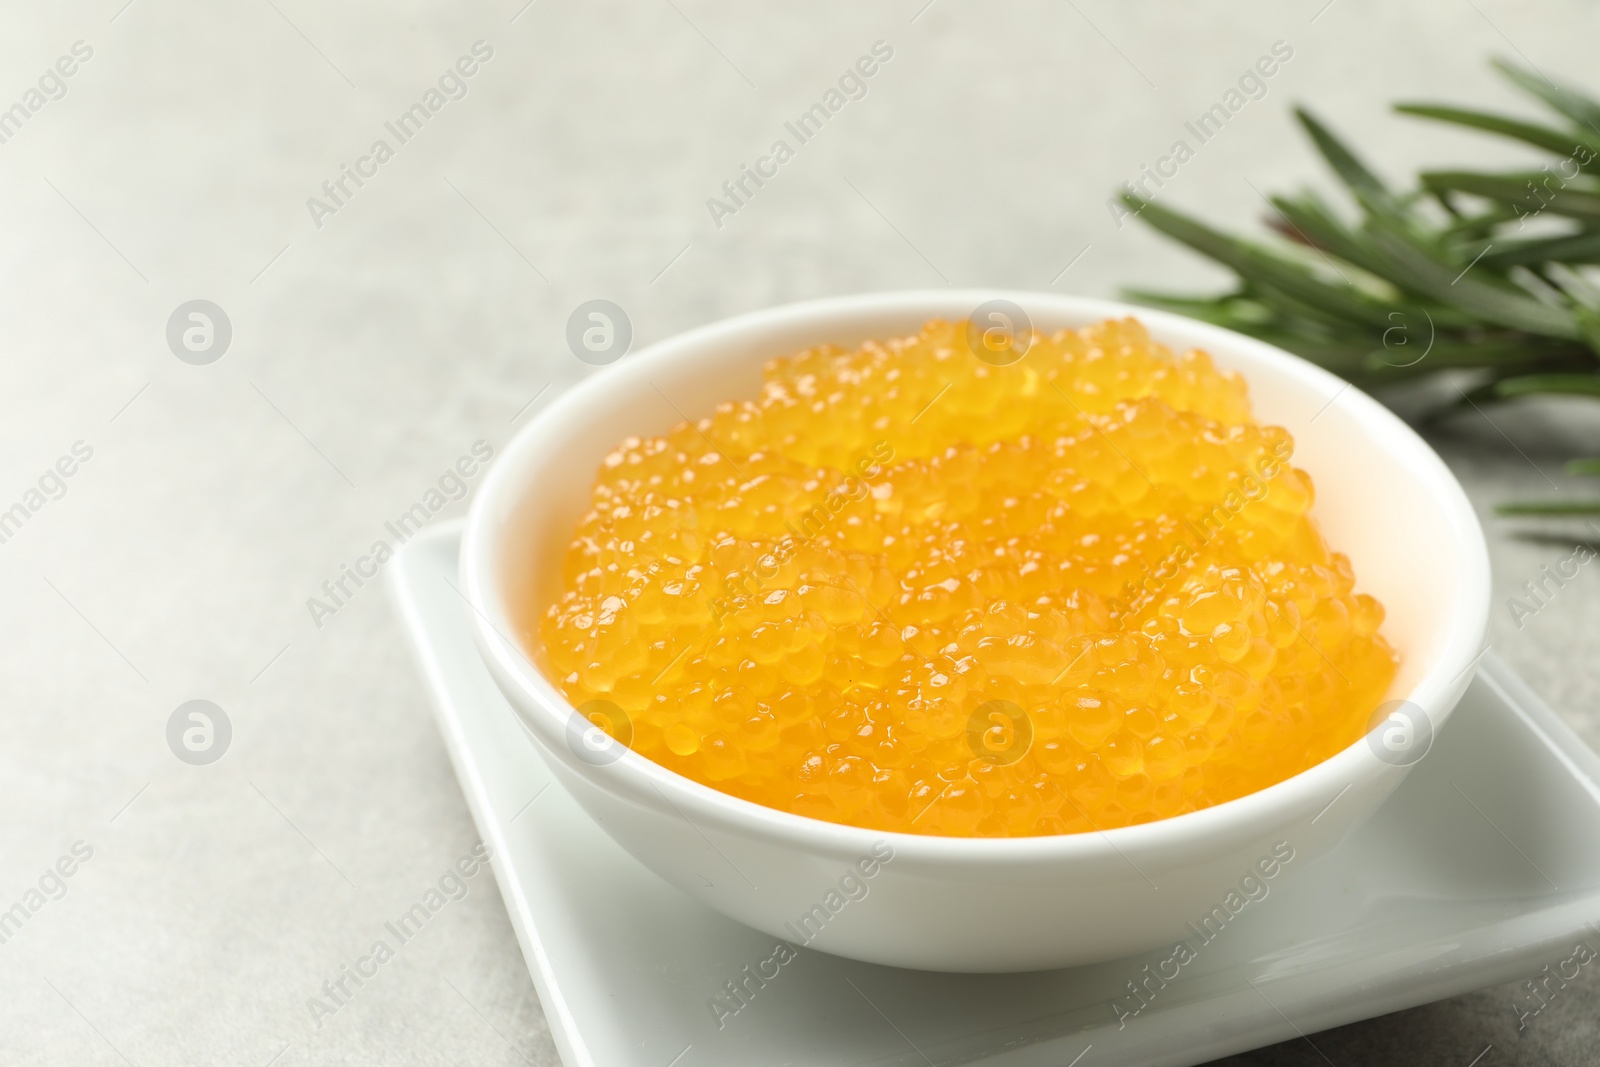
pixel 909 589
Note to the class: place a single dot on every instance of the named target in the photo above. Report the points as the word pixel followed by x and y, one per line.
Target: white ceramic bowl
pixel 970 904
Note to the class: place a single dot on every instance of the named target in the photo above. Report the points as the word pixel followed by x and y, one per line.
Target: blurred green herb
pixel 1447 276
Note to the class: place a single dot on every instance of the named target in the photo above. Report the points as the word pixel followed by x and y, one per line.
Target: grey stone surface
pixel 369 352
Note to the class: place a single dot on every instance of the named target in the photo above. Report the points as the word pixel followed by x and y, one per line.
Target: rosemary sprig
pixel 1445 276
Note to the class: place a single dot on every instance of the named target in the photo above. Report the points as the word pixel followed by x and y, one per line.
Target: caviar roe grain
pixel 908 590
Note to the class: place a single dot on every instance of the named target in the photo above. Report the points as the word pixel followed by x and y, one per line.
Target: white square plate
pixel 1481 868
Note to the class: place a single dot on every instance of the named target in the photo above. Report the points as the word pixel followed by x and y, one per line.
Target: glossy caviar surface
pixel 912 589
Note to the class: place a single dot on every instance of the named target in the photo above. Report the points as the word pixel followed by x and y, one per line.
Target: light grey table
pixel 375 338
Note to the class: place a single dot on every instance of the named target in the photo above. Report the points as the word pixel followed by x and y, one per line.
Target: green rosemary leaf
pixel 1440 276
pixel 1491 301
pixel 1234 310
pixel 1571 287
pixel 1527 193
pixel 1569 248
pixel 1588 324
pixel 1311 222
pixel 1260 266
pixel 1288 305
pixel 1198 305
pixel 1307 219
pixel 1566 100
pixel 1367 187
pixel 1401 351
pixel 1550 509
pixel 1530 384
pixel 1474 227
pixel 1370 362
pixel 1515 354
pixel 1561 142
pixel 1268 313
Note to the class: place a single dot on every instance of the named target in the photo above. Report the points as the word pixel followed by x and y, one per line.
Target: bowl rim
pixel 637 777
